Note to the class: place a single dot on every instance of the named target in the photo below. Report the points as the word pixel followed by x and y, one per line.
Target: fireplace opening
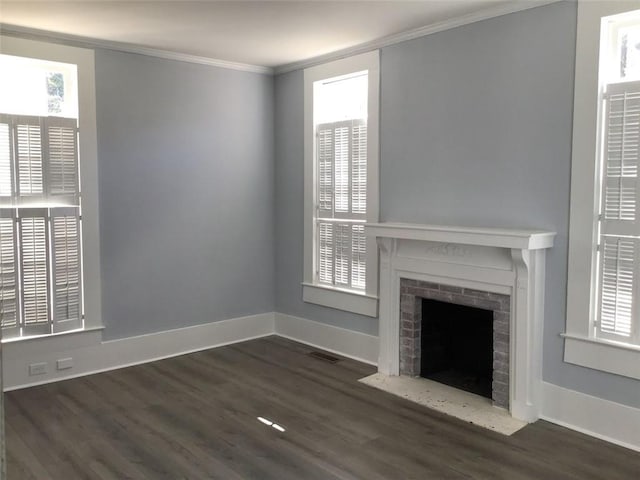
pixel 457 346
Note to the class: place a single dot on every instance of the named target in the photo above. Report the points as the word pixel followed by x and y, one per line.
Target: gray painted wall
pixel 476 127
pixel 186 193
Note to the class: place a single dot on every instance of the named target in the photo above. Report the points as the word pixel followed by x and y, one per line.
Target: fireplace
pixel 499 270
pixel 456 336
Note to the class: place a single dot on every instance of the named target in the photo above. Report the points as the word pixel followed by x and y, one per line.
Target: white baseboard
pixel 92 356
pixel 350 344
pixel 610 421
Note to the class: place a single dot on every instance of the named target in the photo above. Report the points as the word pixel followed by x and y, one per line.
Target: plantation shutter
pixel 325 171
pixel 618 285
pixel 61 141
pixel 342 254
pixel 358 257
pixel 9 315
pixel 341 158
pixel 29 157
pixel 341 166
pixel 34 239
pixel 619 250
pixel 65 250
pixel 325 252
pixel 40 232
pixel 359 169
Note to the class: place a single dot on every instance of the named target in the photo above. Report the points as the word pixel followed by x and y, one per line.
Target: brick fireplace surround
pixel 411 294
pixel 503 269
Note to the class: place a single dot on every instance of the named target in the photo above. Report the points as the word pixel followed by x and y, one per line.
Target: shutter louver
pixel 9 318
pixel 35 284
pixel 620 229
pixel 29 157
pixel 619 200
pixel 67 303
pixel 62 164
pixel 6 173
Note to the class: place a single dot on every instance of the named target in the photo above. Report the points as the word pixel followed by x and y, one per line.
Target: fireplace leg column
pixel 526 339
pixel 389 334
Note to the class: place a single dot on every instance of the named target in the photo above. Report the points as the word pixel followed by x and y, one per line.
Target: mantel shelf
pixel 523 239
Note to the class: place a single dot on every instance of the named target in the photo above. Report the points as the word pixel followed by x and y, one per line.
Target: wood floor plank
pixel 196 417
pixel 26 464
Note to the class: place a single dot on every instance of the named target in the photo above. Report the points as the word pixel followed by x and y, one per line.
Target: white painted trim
pixel 370 62
pixel 37 338
pixel 340 299
pixel 88 157
pixel 603 355
pixel 492 237
pixel 484 257
pixel 34 346
pixel 350 344
pixel 92 356
pixel 584 194
pixel 492 12
pixel 603 419
pixel 47 36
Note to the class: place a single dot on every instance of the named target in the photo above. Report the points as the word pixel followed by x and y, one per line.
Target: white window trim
pixel 88 154
pixel 581 345
pixel 365 303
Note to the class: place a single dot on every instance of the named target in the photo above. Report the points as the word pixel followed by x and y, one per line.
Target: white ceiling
pixel 264 33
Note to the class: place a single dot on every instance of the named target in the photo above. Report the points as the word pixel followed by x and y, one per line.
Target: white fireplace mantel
pixel 499 260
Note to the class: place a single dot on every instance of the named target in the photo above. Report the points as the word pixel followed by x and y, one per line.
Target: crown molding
pixel 485 14
pixel 78 41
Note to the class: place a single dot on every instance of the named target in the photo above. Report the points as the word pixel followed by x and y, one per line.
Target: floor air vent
pixel 324 357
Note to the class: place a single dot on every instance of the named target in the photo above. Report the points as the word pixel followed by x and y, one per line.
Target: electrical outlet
pixel 64 363
pixel 37 369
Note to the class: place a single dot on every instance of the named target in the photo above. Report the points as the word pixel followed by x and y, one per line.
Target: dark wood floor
pixel 195 417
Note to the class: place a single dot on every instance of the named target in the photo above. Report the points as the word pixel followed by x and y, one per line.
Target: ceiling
pixel 264 33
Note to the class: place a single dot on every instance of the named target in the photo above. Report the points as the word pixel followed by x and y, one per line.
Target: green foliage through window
pixel 55 91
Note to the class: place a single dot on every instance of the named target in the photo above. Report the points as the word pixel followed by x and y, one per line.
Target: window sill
pixel 80 337
pixel 345 300
pixel 602 355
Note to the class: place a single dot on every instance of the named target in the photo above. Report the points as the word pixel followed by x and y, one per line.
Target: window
pixel 603 304
pixel 47 223
pixel 40 226
pixel 341 183
pixel 618 251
